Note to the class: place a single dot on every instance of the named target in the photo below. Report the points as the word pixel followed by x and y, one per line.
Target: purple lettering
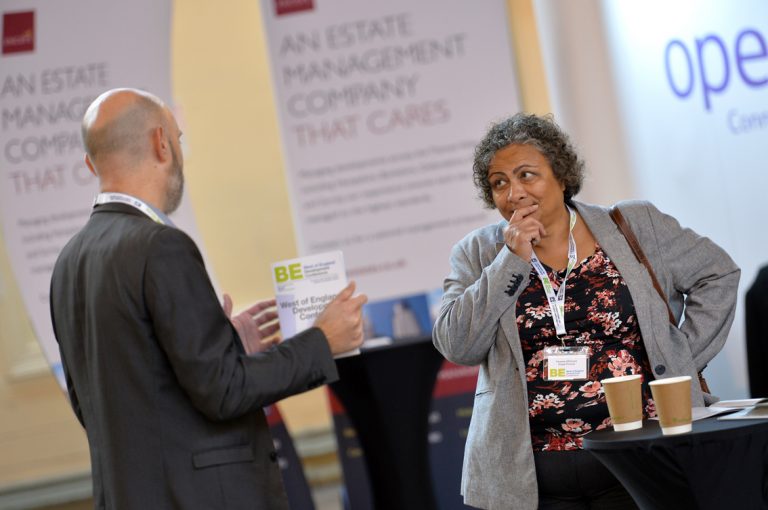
pixel 742 56
pixel 667 62
pixel 706 86
pixel 712 66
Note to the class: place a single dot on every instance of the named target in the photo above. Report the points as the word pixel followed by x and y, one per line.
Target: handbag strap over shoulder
pixel 618 218
pixel 625 229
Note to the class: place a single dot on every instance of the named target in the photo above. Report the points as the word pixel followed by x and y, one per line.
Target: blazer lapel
pixel 490 254
pixel 636 277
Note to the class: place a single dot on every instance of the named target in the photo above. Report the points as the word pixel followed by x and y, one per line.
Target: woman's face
pixel 521 176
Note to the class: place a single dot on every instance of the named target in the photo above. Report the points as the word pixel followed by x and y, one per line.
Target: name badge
pixel 566 363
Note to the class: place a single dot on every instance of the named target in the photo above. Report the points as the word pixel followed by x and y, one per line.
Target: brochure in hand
pixel 303 288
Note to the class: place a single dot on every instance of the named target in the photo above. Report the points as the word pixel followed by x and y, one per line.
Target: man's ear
pixel 160 146
pixel 90 166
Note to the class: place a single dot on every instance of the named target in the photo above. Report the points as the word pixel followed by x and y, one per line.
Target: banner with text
pixel 56 58
pixel 380 106
pixel 693 92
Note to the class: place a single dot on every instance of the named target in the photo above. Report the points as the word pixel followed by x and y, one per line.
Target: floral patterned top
pixel 600 314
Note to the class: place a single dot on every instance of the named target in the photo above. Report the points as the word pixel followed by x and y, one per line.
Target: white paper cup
pixel 625 403
pixel 673 404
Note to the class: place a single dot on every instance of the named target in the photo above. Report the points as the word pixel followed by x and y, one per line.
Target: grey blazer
pixel 476 325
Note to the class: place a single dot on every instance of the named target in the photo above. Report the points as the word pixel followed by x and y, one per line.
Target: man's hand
pixel 254 324
pixel 342 320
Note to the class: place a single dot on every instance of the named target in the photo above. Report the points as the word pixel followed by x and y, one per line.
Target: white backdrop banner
pixel 56 58
pixel 693 92
pixel 380 106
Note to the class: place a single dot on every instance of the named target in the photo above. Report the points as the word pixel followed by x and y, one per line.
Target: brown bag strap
pixel 618 218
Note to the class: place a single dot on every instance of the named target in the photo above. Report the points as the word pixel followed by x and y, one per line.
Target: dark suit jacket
pixel 756 304
pixel 171 405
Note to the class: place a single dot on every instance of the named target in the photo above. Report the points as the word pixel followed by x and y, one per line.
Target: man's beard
pixel 175 189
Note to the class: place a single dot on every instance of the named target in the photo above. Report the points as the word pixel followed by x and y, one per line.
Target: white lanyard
pixel 106 198
pixel 557 302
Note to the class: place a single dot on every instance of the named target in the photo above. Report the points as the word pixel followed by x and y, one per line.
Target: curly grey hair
pixel 539 132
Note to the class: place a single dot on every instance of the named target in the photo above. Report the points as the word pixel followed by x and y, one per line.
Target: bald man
pixel 170 400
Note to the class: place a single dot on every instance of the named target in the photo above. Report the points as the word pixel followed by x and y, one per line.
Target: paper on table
pixel 740 404
pixel 700 413
pixel 750 413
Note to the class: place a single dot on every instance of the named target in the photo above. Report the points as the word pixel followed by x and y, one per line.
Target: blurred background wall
pixel 597 65
pixel 234 171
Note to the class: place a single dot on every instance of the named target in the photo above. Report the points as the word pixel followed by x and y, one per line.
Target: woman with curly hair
pixel 552 300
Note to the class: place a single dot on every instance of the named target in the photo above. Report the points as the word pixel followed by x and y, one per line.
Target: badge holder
pixel 563 363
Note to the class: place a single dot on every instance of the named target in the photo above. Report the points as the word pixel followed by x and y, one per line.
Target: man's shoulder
pixel 171 245
pixel 136 229
pixel 130 235
pixel 163 235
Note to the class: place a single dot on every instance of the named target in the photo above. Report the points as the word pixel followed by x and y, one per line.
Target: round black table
pixel 721 464
pixel 386 393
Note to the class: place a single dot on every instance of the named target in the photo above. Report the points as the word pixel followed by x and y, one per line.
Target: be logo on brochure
pixel 289 272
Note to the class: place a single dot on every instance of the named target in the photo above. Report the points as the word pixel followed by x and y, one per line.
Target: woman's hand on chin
pixel 523 232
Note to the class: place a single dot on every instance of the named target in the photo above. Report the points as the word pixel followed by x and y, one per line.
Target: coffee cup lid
pixel 621 378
